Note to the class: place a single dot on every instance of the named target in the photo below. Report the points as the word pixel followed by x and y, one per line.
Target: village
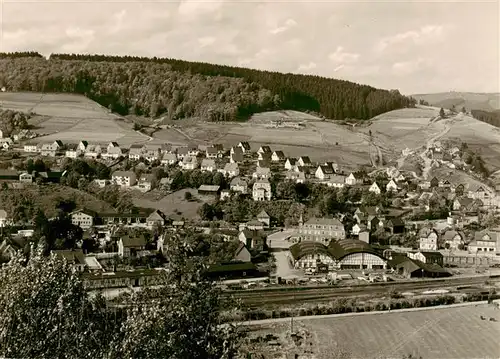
pixel 397 225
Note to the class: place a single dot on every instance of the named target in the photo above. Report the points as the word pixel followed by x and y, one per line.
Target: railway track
pixel 296 295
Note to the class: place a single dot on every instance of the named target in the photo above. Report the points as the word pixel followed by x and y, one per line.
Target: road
pixel 283 267
pixel 288 295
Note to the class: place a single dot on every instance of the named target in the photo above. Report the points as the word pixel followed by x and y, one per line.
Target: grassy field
pixel 71 118
pixel 173 205
pixel 437 333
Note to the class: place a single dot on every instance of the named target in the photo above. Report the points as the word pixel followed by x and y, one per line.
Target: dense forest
pixel 178 89
pixel 491 117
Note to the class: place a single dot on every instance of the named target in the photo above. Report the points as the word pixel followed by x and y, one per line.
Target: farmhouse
pixel 278 156
pixel 124 178
pixel 209 190
pixel 428 239
pixel 208 165
pixel 261 190
pixel 169 159
pixel 321 230
pixel 239 185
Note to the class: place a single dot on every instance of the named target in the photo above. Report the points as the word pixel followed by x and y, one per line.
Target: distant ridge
pixel 469 100
pixel 180 89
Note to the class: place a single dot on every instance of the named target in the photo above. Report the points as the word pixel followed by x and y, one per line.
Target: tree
pixel 441 113
pixel 181 320
pixel 188 196
pixel 464 110
pixel 45 312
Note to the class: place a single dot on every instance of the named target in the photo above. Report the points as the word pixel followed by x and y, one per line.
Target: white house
pixel 211 152
pixel 304 161
pixel 4 219
pixel 189 163
pixel 32 148
pixel 485 242
pixel 73 153
pixel 262 172
pixel 337 181
pixel 208 165
pixel 428 240
pixel 124 178
pixel 391 186
pixel 1 134
pixel 324 172
pixel 238 184
pixel 169 159
pixel 277 156
pixel 135 152
pixel 291 164
pixel 230 169
pixel 113 151
pixel 93 151
pixel 265 149
pixel 261 190
pixel 245 146
pixel 354 179
pixel 374 188
pixel 145 183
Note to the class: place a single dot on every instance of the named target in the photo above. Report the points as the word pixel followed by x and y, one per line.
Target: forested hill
pixel 491 117
pixel 179 89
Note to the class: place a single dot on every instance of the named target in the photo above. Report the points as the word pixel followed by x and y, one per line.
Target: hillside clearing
pixel 71 118
pixel 174 205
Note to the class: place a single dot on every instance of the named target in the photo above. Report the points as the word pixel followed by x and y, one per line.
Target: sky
pixel 413 46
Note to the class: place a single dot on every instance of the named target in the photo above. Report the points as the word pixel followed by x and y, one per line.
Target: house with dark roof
pixel 242 254
pixel 156 218
pixel 130 246
pixel 264 218
pixel 395 226
pixel 324 172
pixel 304 161
pixel 265 149
pixel 75 258
pixel 209 190
pixel 278 156
pixel 427 257
pixel 290 163
pixel 412 268
pixel 453 240
pixel 253 239
pixel 9 175
pixel 245 146
pixel 356 254
pixel 84 218
pixel 236 155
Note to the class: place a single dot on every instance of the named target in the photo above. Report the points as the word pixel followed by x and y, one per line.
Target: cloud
pixel 338 68
pixel 289 23
pixel 307 67
pixel 409 67
pixel 342 57
pixel 192 9
pixel 420 36
pixel 206 41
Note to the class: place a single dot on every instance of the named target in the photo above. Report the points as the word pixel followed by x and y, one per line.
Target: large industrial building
pixel 342 254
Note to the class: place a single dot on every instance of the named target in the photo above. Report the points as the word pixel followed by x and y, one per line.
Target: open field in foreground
pixel 174 205
pixel 71 118
pixel 455 332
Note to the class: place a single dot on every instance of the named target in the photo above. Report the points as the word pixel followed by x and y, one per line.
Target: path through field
pixel 428 146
